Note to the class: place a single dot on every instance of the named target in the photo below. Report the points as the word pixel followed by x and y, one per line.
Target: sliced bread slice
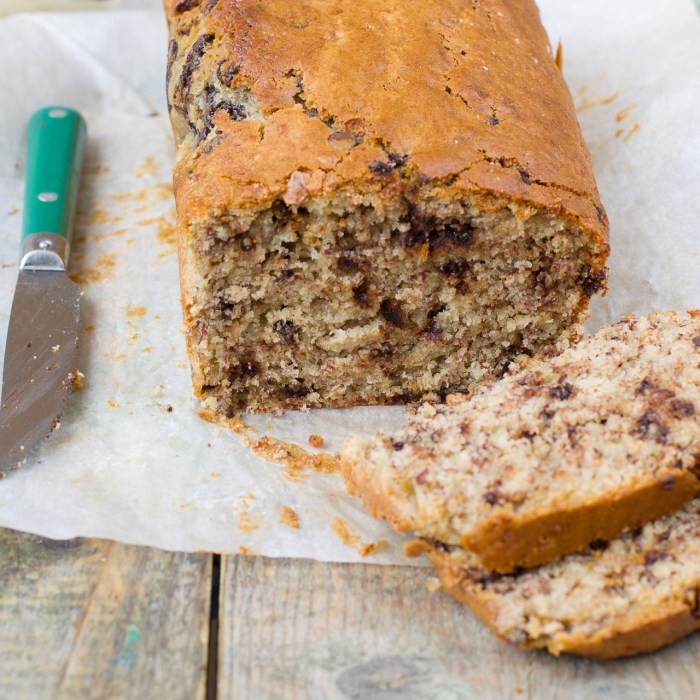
pixel 632 595
pixel 561 452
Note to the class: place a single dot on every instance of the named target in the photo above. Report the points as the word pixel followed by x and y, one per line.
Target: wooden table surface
pixel 97 619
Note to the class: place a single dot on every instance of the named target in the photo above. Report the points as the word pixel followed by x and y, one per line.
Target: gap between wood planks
pixel 213 645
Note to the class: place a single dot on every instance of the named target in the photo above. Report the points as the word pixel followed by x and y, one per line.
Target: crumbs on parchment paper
pixel 149 167
pixel 627 134
pixel 246 552
pixel 159 192
pixel 316 441
pixel 595 101
pixel 289 517
pixel 102 270
pixel 293 456
pixel 135 311
pixel 349 537
pixel 236 424
pixel 295 476
pixel 246 521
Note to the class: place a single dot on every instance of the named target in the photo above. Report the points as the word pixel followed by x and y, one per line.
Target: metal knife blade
pixel 40 361
pixel 40 354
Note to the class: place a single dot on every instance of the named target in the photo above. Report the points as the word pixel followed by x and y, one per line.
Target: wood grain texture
pixel 96 619
pixel 296 629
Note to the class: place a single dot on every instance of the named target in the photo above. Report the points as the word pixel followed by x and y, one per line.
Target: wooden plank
pixel 293 629
pixel 97 619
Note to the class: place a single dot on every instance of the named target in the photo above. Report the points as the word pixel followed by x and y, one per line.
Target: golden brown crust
pixel 467 104
pixel 506 543
pixel 645 631
pixel 377 495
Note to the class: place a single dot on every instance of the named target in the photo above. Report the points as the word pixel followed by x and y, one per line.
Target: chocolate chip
pixel 296 392
pixel 601 213
pixel 421 227
pixel 524 175
pixel 245 368
pixel 186 5
pixel 682 409
pixel 562 391
pixel 644 387
pixel 199 48
pixel 345 262
pixel 229 411
pixel 287 329
pixel 547 415
pixel 362 294
pixel 591 282
pixel 668 483
pixel 392 312
pixel 380 168
pixel 598 545
pixel 245 241
pixel 173 49
pixel 459 233
pixel 492 497
pixel 454 268
pixel 398 445
pixel 494 121
pixel 228 73
pixel 650 425
pixel 696 341
pixel 397 160
pixel 653 555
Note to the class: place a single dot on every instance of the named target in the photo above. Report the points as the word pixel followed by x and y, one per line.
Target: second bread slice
pixel 559 453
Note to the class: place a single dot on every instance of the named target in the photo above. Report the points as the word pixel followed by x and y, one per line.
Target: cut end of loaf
pixel 369 299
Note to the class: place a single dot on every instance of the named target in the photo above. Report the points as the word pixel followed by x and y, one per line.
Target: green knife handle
pixel 54 160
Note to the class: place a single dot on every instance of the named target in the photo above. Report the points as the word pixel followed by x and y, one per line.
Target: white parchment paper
pixel 132 460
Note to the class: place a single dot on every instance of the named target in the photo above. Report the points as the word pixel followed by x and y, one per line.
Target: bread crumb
pixel 135 311
pixel 433 584
pixel 102 270
pixel 594 101
pixel 112 403
pixel 77 380
pixel 349 537
pixel 624 113
pixel 632 132
pixel 294 456
pixel 55 348
pixel 246 521
pixel 316 441
pixel 158 390
pixel 148 167
pixel 295 476
pixel 289 517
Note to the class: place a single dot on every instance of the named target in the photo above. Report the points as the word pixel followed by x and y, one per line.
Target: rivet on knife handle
pixel 54 159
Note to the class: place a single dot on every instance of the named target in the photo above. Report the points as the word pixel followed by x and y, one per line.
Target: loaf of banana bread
pixel 377 201
pixel 560 452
